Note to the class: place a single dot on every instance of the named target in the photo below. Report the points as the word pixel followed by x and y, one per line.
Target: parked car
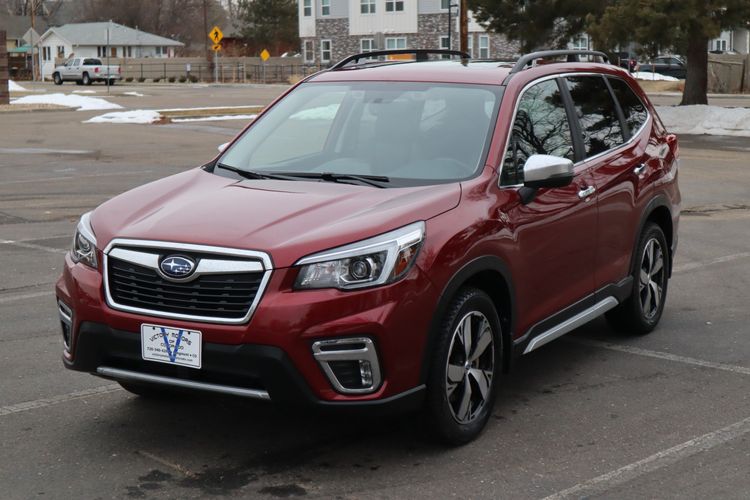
pixel 387 235
pixel 666 65
pixel 85 71
pixel 627 60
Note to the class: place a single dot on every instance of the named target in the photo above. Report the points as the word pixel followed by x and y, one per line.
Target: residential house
pixel 737 40
pixel 333 29
pixel 101 40
pixel 19 39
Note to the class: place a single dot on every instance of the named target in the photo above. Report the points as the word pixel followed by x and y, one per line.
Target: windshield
pixel 413 133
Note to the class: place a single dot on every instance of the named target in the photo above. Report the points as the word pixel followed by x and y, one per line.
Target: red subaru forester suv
pixel 387 234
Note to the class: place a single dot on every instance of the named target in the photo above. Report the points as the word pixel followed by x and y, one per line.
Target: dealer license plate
pixel 173 346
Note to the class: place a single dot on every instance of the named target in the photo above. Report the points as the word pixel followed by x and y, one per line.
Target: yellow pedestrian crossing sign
pixel 215 35
pixel 265 55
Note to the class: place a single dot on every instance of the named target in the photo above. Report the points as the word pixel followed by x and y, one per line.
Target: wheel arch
pixel 658 211
pixel 491 275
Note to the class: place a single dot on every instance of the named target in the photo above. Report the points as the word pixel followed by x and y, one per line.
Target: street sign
pixel 265 55
pixel 216 47
pixel 215 35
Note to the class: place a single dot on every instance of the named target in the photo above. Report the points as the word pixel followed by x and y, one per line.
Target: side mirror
pixel 544 171
pixel 222 147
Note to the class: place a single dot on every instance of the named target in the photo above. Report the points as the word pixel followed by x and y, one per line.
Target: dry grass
pixel 662 86
pixel 193 113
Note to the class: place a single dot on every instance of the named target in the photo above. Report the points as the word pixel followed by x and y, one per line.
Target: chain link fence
pixel 223 72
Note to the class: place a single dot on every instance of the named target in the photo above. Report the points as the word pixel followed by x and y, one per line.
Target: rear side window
pixel 632 107
pixel 541 127
pixel 597 114
pixel 92 62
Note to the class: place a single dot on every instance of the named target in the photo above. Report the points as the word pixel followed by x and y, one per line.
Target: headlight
pixel 84 243
pixel 375 261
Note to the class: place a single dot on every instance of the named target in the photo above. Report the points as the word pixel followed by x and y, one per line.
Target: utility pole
pixel 109 24
pixel 205 29
pixel 33 58
pixel 463 30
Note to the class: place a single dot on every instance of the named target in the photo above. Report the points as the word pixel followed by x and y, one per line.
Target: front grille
pixel 225 296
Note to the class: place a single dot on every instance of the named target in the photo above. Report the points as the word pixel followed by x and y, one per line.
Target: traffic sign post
pixel 215 35
pixel 264 55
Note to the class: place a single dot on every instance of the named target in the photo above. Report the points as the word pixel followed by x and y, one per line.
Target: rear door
pixel 616 157
pixel 556 232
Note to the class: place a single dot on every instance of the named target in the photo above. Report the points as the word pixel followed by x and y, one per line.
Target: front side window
pixel 325 7
pixel 541 127
pixel 307 8
pixel 412 133
pixel 597 114
pixel 325 51
pixel 367 6
pixel 632 107
pixel 394 5
pixel 395 43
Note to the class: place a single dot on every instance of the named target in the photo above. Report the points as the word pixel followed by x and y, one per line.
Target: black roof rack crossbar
pixel 572 56
pixel 421 55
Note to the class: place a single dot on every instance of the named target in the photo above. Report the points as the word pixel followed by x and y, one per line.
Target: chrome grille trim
pixel 256 262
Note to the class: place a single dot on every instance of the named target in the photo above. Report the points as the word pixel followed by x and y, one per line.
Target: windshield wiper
pixel 254 174
pixel 370 180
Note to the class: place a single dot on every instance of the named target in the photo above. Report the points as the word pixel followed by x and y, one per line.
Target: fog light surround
pixel 66 323
pixel 351 364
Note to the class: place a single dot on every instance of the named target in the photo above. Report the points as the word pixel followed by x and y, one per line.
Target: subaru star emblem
pixel 175 266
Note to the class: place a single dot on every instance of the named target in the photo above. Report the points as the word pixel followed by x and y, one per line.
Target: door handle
pixel 639 169
pixel 586 192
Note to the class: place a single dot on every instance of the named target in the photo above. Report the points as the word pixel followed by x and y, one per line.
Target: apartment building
pixel 333 29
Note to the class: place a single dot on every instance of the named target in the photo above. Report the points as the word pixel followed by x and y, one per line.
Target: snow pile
pixel 709 120
pixel 83 103
pixel 135 94
pixel 647 75
pixel 14 87
pixel 135 116
pixel 215 118
pixel 84 91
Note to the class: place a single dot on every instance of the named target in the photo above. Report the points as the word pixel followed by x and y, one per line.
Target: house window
pixel 158 51
pixel 445 4
pixel 325 7
pixel 395 43
pixel 307 8
pixel 367 45
pixel 484 47
pixel 581 42
pixel 101 51
pixel 445 45
pixel 721 45
pixel 394 5
pixel 470 45
pixel 309 51
pixel 367 6
pixel 61 51
pixel 325 51
pixel 46 53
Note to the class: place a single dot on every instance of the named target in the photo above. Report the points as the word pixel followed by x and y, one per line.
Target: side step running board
pixel 566 326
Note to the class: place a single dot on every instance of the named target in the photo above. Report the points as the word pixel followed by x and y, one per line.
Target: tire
pixel 149 391
pixel 461 393
pixel 86 79
pixel 58 80
pixel 641 312
pixel 111 82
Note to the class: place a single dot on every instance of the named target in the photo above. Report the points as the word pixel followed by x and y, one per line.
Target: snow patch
pixel 134 116
pixel 136 94
pixel 647 75
pixel 14 87
pixel 215 118
pixel 84 91
pixel 705 120
pixel 83 103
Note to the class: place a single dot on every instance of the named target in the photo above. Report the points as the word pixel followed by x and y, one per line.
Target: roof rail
pixel 572 56
pixel 421 55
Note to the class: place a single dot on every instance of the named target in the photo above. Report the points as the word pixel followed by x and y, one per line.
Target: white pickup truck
pixel 84 71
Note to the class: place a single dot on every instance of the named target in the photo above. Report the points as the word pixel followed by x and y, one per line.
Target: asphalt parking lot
pixel 595 414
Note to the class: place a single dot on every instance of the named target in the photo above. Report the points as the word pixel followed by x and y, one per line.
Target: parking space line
pixel 661 355
pixel 33 246
pixel 719 260
pixel 13 298
pixel 655 462
pixel 54 400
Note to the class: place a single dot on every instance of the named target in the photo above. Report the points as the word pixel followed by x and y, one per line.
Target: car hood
pixel 287 219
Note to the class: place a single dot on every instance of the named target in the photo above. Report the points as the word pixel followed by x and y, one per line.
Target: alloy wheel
pixel 470 367
pixel 651 282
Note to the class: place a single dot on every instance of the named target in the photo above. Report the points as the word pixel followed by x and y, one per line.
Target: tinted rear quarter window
pixel 92 62
pixel 597 114
pixel 632 107
pixel 541 127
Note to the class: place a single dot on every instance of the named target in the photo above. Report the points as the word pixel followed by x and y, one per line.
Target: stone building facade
pixel 331 30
